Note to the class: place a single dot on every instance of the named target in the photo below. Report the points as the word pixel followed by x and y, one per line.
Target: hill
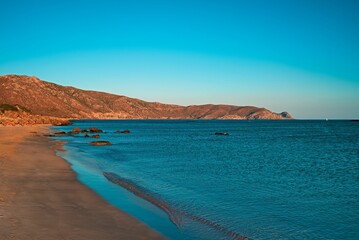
pixel 49 99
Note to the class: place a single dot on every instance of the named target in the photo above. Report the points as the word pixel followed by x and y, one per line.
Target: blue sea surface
pixel 266 180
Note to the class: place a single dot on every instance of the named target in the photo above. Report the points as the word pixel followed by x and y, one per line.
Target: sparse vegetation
pixel 15 108
pixel 7 107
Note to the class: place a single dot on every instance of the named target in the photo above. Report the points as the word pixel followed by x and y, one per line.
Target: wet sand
pixel 40 197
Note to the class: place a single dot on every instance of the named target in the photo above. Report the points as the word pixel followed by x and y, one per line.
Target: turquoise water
pixel 266 180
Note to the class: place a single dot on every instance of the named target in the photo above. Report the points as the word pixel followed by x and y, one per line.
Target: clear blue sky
pixel 300 56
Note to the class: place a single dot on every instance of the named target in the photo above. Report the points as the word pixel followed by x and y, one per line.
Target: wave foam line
pixel 172 213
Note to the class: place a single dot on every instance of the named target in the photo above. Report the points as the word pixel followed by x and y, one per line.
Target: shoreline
pixel 41 197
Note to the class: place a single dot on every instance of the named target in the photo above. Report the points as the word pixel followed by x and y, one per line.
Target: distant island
pixel 26 100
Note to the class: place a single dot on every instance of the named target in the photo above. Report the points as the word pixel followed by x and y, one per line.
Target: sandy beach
pixel 40 197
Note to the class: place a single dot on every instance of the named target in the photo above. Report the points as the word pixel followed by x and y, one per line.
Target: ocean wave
pixel 174 214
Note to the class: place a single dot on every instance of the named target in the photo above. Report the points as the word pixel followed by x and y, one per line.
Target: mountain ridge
pixel 51 99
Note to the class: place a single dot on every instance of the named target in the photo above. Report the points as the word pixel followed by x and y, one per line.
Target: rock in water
pixel 95 130
pixel 100 143
pixel 222 133
pixel 76 130
pixel 124 131
pixel 60 133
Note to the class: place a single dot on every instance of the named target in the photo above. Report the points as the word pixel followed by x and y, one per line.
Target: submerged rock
pixel 100 143
pixel 76 130
pixel 222 133
pixel 95 136
pixel 124 131
pixel 95 130
pixel 86 135
pixel 60 133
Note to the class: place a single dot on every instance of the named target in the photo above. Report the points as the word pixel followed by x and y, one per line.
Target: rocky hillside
pixel 11 115
pixel 49 99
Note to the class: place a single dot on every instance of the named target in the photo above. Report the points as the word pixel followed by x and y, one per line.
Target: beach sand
pixel 40 197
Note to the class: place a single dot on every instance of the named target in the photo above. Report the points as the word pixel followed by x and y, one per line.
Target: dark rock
pixel 285 115
pixel 124 131
pixel 95 130
pixel 222 133
pixel 100 143
pixel 76 130
pixel 60 133
pixel 86 135
pixel 49 135
pixel 95 136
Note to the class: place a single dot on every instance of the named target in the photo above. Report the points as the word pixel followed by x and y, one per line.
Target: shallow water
pixel 266 180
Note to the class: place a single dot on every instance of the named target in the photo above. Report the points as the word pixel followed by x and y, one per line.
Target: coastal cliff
pixel 43 98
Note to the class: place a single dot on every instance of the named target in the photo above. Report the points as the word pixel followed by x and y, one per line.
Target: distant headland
pixel 26 100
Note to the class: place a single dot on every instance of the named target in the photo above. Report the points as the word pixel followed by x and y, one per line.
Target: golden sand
pixel 40 197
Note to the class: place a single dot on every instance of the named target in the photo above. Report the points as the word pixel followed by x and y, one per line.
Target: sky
pixel 300 56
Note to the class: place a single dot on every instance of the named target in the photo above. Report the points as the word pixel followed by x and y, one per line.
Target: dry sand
pixel 41 199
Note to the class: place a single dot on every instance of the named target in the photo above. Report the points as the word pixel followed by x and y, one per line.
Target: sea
pixel 295 179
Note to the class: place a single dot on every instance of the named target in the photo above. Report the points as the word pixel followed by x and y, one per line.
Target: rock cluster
pixel 77 131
